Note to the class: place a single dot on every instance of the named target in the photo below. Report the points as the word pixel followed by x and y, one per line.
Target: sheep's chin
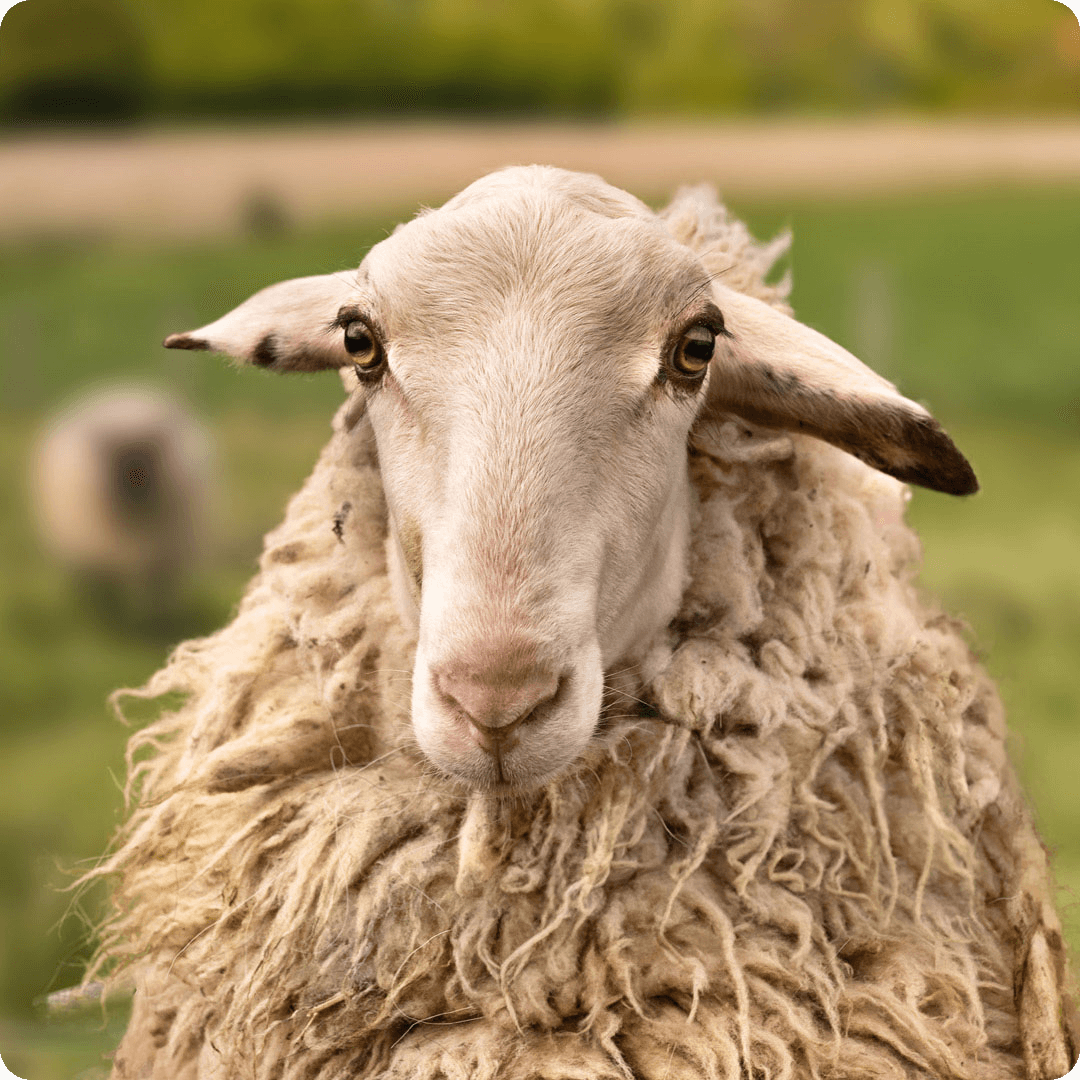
pixel 482 775
pixel 544 748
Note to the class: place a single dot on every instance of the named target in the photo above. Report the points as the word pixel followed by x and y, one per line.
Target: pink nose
pixel 497 689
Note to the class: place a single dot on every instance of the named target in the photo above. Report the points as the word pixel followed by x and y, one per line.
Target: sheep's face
pixel 532 357
pixel 526 358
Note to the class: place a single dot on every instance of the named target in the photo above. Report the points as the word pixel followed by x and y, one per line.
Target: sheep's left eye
pixel 361 345
pixel 695 350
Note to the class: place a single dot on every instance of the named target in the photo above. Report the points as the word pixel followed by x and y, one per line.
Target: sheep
pixel 583 719
pixel 121 483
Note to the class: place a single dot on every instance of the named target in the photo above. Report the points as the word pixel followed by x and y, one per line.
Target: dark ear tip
pixel 954 477
pixel 972 484
pixel 923 454
pixel 946 469
pixel 959 483
pixel 185 341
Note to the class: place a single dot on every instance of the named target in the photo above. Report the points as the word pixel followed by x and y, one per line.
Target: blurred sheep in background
pixel 121 482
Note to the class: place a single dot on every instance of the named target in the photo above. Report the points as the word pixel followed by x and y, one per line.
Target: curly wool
pixel 795 847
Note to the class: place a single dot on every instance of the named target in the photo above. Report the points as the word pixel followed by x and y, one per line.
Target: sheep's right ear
pixel 285 327
pixel 775 371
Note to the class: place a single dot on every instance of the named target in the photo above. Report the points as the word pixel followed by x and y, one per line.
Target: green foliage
pixel 71 58
pixel 973 308
pixel 63 59
pixel 63 1048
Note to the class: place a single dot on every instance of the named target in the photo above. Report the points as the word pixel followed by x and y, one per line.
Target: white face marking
pixel 533 461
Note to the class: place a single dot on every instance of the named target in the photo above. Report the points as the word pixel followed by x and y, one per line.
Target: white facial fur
pixel 534 467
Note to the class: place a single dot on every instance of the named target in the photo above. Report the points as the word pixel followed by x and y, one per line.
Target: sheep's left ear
pixel 777 372
pixel 285 327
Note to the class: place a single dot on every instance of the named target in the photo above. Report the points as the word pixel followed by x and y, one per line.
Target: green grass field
pixel 968 301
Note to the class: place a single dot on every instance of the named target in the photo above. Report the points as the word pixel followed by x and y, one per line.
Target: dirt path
pixel 170 183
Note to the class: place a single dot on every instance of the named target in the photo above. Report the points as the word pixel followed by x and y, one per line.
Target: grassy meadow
pixel 969 301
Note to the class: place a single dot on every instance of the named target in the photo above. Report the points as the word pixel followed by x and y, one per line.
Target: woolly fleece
pixel 794 849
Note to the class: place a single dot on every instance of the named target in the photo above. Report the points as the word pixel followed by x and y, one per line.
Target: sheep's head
pixel 532 358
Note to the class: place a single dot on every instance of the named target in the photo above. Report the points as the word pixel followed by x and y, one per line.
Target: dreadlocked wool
pixel 795 847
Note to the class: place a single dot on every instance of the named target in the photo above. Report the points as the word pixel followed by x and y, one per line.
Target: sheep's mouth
pixel 506 784
pixel 507 768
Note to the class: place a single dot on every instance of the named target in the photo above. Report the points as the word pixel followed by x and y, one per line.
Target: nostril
pixel 495 706
pixel 493 740
pixel 491 735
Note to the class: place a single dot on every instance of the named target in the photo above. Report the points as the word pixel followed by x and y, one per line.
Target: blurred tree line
pixel 74 60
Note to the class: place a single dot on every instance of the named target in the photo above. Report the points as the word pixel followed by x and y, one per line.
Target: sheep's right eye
pixel 694 350
pixel 361 345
